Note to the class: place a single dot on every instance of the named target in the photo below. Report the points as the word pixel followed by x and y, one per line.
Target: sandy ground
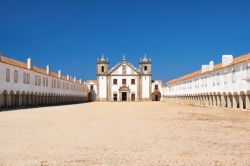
pixel 146 133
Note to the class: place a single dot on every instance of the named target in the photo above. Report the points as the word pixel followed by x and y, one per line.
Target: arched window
pixel 102 68
pixel 145 68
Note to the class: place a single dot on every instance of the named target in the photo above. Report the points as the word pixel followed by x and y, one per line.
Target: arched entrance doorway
pixel 124 93
pixel 156 96
pixel 91 96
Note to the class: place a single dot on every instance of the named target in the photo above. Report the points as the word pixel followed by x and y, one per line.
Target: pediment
pixel 124 88
pixel 119 69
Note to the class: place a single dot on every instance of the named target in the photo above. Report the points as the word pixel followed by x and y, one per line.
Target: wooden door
pixel 132 97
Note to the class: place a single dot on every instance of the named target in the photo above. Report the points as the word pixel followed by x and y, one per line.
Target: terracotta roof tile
pixel 88 81
pixel 13 62
pixel 39 70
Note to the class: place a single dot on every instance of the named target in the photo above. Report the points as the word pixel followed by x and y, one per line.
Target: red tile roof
pixel 88 81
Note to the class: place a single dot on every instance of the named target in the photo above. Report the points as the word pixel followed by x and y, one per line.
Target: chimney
pixel 47 69
pixel 211 65
pixel 59 74
pixel 29 63
pixel 227 60
pixel 74 79
pixel 80 81
pixel 204 68
pixel 68 77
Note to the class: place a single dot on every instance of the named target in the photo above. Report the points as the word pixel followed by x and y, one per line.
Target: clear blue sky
pixel 179 36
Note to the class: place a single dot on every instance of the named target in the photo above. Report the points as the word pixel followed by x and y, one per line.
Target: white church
pixel 124 82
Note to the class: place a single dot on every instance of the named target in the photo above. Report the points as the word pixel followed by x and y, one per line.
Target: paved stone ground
pixel 143 133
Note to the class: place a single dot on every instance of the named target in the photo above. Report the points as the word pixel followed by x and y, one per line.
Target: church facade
pixel 124 82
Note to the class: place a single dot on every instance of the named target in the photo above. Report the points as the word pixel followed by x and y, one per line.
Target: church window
pixel 102 68
pixel 123 69
pixel 132 81
pixel 156 87
pixel 91 87
pixel 115 81
pixel 124 81
pixel 145 68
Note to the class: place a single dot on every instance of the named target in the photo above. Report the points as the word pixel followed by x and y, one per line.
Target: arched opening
pixel 248 100
pixel 28 99
pixel 236 103
pixel 156 96
pixel 17 99
pixel 12 99
pixel 5 99
pixel 102 69
pixel 145 68
pixel 230 100
pixel 91 96
pixel 32 99
pixel 218 99
pixel 224 101
pixel 242 100
pixel 23 99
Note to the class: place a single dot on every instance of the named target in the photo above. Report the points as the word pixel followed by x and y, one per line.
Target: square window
pixel 124 81
pixel 132 81
pixel 7 75
pixel 16 76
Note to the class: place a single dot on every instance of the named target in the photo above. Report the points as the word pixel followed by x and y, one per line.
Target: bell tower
pixel 102 78
pixel 146 78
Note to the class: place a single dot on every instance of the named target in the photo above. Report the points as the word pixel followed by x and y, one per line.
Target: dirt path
pixel 146 133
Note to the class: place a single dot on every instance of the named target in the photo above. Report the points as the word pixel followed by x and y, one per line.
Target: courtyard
pixel 134 133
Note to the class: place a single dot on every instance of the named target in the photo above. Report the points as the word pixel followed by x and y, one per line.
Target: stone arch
pixel 36 99
pixel 5 99
pixel 242 100
pixel 39 98
pixel 32 99
pixel 17 99
pixel 12 98
pixel 230 100
pixel 23 96
pixel 224 100
pixel 218 94
pixel 214 99
pixel 156 96
pixel 248 100
pixel 236 103
pixel 28 99
pixel 49 99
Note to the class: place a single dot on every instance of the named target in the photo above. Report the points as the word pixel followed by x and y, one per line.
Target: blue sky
pixel 178 35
